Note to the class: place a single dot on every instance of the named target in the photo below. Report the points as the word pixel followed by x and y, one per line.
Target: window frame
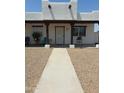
pixel 78 32
pixel 37 26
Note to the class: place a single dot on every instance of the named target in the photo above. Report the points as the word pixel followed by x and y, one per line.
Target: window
pixel 37 28
pixel 75 31
pixel 96 27
pixel 79 31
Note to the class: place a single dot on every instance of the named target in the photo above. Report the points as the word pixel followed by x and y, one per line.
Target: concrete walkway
pixel 59 75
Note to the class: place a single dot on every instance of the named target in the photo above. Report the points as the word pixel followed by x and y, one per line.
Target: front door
pixel 59 33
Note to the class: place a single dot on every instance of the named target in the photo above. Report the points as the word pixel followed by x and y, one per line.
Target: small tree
pixel 36 36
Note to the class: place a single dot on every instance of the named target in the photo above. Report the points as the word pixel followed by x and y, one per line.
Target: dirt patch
pixel 86 64
pixel 35 61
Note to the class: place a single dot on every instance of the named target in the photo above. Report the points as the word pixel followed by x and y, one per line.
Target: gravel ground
pixel 86 64
pixel 35 61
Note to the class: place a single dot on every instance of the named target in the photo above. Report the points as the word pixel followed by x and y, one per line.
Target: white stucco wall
pixel 88 16
pixel 97 37
pixel 59 10
pixel 34 16
pixel 90 37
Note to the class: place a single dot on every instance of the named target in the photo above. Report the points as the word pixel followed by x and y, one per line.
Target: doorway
pixel 59 34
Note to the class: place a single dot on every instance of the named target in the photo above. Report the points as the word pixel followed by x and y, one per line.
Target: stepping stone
pixel 59 75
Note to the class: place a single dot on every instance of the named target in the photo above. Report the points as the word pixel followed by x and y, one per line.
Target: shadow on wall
pixel 53 16
pixel 71 12
pixel 51 12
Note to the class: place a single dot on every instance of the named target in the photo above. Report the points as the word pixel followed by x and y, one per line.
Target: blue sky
pixel 83 5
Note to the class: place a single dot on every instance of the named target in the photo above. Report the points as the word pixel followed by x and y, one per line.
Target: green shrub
pixel 36 36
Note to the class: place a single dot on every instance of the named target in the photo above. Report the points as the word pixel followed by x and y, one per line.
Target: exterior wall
pixel 29 31
pixel 90 38
pixel 59 11
pixel 97 37
pixel 34 16
pixel 67 33
pixel 94 15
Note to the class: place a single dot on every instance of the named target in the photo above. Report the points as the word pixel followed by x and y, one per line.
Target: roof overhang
pixel 61 21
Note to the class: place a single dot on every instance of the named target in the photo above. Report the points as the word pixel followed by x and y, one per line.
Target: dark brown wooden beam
pixel 72 24
pixel 47 33
pixel 60 21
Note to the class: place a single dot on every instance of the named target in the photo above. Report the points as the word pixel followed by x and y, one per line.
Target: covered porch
pixel 61 32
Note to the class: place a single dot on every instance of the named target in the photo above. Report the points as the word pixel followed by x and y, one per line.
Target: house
pixel 61 23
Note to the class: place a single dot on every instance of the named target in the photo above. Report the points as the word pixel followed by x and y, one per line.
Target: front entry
pixel 59 34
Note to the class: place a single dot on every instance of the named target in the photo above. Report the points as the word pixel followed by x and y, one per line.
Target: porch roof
pixel 61 21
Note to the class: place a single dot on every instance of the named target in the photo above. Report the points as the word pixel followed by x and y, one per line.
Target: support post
pixel 72 24
pixel 72 45
pixel 47 33
pixel 47 36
